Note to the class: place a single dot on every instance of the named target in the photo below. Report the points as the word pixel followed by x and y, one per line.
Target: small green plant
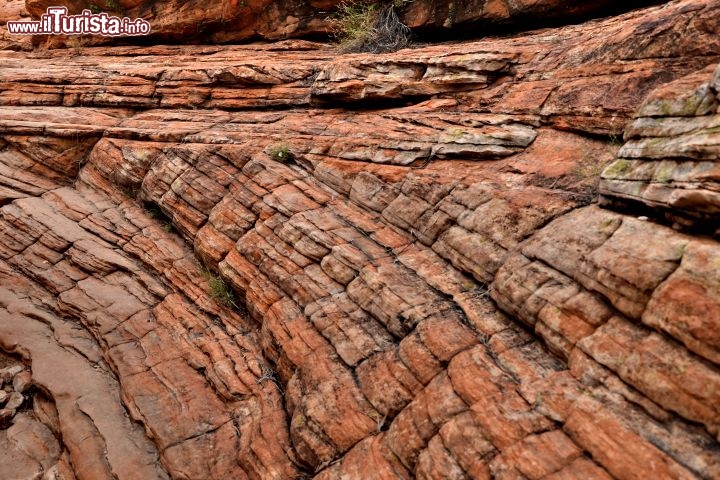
pixel 219 290
pixel 615 139
pixel 112 4
pixel 94 8
pixel 618 168
pixel 281 153
pixel 363 26
pixel 353 22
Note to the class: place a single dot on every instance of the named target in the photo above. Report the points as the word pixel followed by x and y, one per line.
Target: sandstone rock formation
pixel 670 161
pixel 13 10
pixel 274 262
pixel 241 20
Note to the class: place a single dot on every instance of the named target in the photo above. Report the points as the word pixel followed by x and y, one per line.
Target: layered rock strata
pixel 670 162
pixel 13 10
pixel 205 287
pixel 214 21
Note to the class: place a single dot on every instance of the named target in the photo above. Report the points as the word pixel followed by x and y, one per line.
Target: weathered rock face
pixel 13 10
pixel 459 15
pixel 204 287
pixel 233 20
pixel 670 162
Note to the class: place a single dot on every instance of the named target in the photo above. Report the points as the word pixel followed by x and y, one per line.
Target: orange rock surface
pixel 275 261
pixel 223 21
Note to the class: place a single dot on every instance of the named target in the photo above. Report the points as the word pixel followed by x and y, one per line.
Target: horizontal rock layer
pixel 232 21
pixel 671 161
pixel 396 271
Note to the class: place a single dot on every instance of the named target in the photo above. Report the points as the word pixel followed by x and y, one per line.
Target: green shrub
pixel 362 26
pixel 282 153
pixel 219 290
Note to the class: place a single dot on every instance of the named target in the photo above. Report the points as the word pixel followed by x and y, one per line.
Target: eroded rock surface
pixel 670 162
pixel 217 21
pixel 13 10
pixel 397 271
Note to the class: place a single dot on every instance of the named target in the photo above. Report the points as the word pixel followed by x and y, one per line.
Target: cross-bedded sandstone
pixel 422 288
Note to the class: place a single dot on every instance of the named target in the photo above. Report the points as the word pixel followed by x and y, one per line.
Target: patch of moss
pixel 608 225
pixel 680 251
pixel 664 172
pixel 618 168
